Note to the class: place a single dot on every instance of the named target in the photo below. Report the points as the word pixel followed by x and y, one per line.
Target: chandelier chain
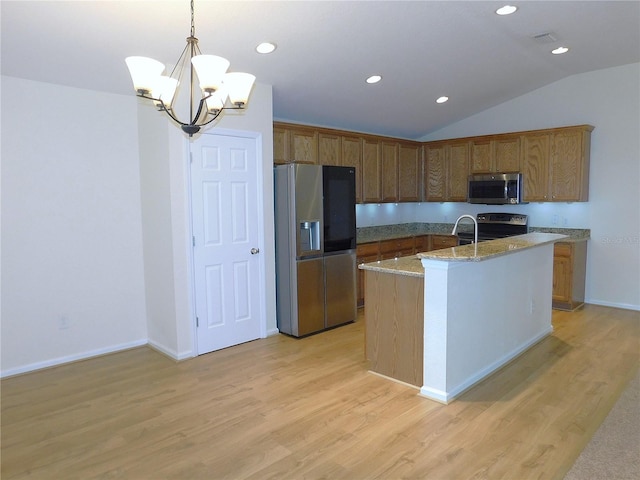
pixel 193 27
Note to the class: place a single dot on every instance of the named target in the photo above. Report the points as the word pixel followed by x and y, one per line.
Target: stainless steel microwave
pixel 495 188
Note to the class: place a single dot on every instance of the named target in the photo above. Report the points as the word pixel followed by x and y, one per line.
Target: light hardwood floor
pixel 308 408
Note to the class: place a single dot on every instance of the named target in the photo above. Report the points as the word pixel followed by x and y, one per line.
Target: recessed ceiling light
pixel 442 99
pixel 560 50
pixel 374 79
pixel 266 47
pixel 506 10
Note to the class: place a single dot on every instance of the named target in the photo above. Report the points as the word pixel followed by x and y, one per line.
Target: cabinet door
pixel 396 248
pixel 435 173
pixel 371 168
pixel 389 172
pixel 304 145
pixel 422 243
pixel 408 173
pixel 352 157
pixel 280 145
pixel 567 163
pixel 507 155
pixel 535 167
pixel 443 241
pixel 365 253
pixel 329 151
pixel 562 275
pixel 481 156
pixel 458 172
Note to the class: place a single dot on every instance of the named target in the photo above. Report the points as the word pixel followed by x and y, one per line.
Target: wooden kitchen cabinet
pixel 409 172
pixel 569 274
pixel 435 173
pixel 396 248
pixel 443 241
pixel 280 145
pixel 446 172
pixel 496 155
pixel 352 157
pixel 422 243
pixel 389 172
pixel 304 145
pixel 371 171
pixel 329 149
pixel 535 166
pixel 292 143
pixel 365 253
pixel 555 164
pixel 570 153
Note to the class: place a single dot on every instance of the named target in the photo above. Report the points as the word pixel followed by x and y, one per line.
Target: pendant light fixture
pixel 219 90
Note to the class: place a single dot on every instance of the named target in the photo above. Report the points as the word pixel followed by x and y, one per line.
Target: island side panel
pixel 480 315
pixel 394 325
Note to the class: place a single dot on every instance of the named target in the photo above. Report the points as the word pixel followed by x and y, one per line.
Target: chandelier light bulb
pixel 239 85
pixel 144 72
pixel 210 70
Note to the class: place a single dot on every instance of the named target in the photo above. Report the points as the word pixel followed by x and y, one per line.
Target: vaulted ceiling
pixel 326 50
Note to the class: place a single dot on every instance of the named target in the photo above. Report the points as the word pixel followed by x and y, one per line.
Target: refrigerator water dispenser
pixel 310 236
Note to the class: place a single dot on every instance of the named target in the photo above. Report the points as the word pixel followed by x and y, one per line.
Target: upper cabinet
pixel 409 172
pixel 293 143
pixel 371 171
pixel 352 157
pixel 554 162
pixel 495 155
pixel 555 165
pixel 446 171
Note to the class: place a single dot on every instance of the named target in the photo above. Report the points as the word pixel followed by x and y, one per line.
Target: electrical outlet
pixel 565 222
pixel 554 220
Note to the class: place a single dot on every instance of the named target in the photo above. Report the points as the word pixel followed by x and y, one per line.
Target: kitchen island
pixel 444 320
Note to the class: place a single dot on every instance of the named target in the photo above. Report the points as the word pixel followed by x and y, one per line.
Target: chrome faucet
pixel 475 226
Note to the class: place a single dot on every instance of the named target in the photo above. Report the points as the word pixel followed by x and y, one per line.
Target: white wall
pixel 71 225
pixel 607 99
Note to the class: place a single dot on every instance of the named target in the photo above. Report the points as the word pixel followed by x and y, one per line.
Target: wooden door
pixel 389 172
pixel 535 167
pixel 329 149
pixel 507 155
pixel 408 173
pixel 481 156
pixel 435 173
pixel 304 145
pixel 371 169
pixel 226 249
pixel 352 157
pixel 458 172
pixel 566 166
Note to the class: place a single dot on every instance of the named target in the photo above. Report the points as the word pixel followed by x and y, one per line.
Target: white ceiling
pixel 326 49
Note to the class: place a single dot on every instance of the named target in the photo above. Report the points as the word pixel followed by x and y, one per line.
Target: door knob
pixel 254 251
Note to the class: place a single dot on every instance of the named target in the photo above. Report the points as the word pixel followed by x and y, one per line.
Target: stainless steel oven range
pixel 496 225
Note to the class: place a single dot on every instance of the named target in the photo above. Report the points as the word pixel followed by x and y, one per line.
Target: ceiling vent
pixel 547 37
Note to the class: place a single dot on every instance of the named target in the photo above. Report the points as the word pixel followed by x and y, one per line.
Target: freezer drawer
pixel 310 301
pixel 340 284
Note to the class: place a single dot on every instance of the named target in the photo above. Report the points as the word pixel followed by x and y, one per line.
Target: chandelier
pixel 219 90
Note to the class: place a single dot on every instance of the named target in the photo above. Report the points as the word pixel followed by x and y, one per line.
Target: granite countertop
pixel 492 248
pixel 390 232
pixel 412 265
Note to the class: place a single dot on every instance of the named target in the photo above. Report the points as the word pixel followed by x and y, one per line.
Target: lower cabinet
pixel 569 273
pixel 395 248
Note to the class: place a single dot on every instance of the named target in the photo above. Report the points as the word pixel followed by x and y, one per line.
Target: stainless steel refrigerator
pixel 315 247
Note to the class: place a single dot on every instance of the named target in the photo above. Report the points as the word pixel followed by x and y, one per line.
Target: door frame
pixel 257 138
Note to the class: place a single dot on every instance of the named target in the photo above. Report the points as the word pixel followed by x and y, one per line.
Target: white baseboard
pixel 624 306
pixel 170 352
pixel 451 394
pixel 71 358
